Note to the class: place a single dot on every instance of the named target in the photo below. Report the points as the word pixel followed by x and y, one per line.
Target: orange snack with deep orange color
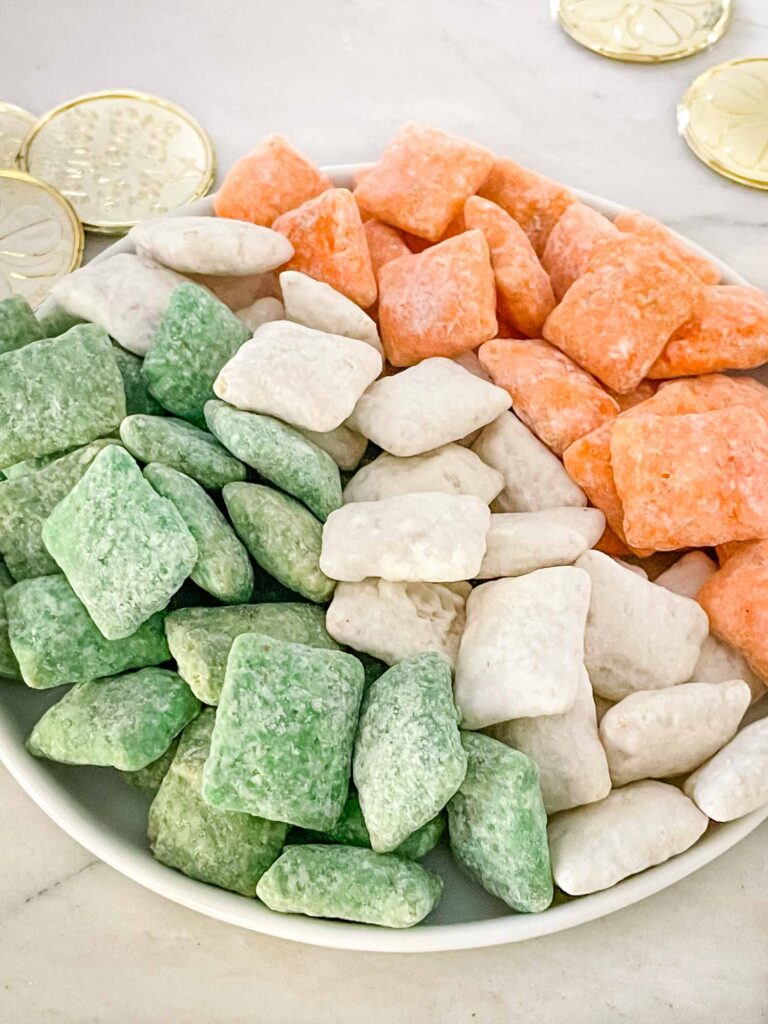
pixel 692 480
pixel 422 180
pixel 570 244
pixel 330 244
pixel 524 293
pixel 384 244
pixel 588 462
pixel 635 223
pixel 728 330
pixel 728 550
pixel 645 389
pixel 734 600
pixel 416 244
pixel 610 544
pixel 617 317
pixel 535 202
pixel 553 396
pixel 272 179
pixel 439 303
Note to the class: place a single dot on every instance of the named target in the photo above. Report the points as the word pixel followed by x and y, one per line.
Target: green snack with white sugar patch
pixel 137 398
pixel 224 848
pixel 279 454
pixel 26 502
pixel 181 446
pixel 18 324
pixel 223 567
pixel 9 667
pixel 350 830
pixel 59 392
pixel 123 721
pixel 409 760
pixel 200 639
pixel 196 337
pixel 56 641
pixel 58 321
pixel 352 884
pixel 282 536
pixel 498 827
pixel 149 778
pixel 282 745
pixel 123 548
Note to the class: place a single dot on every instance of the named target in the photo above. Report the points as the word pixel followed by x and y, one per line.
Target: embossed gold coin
pixel 41 238
pixel 724 119
pixel 15 124
pixel 647 31
pixel 120 157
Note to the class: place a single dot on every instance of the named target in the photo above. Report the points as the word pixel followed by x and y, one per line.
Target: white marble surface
pixel 79 944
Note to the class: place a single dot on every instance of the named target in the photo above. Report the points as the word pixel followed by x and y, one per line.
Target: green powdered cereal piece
pixel 181 446
pixel 18 324
pixel 137 398
pixel 350 830
pixel 352 884
pixel 123 548
pixel 123 721
pixel 281 535
pixel 56 641
pixel 282 746
pixel 224 848
pixel 58 321
pixel 409 760
pixel 28 500
pixel 149 778
pixel 196 337
pixel 32 465
pixel 498 827
pixel 223 567
pixel 280 454
pixel 200 639
pixel 9 667
pixel 58 392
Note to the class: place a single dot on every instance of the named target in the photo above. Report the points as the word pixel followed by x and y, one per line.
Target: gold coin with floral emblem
pixel 15 124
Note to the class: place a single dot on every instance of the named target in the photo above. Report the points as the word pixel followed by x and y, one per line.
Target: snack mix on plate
pixel 363 519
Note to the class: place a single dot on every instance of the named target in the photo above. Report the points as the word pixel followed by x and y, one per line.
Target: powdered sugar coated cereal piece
pixel 346 447
pixel 689 574
pixel 719 662
pixel 570 245
pixel 640 224
pixel 519 542
pixel 385 244
pixel 261 311
pixel 735 781
pixel 315 304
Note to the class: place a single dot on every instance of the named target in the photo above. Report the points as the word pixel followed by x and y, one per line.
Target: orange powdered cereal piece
pixel 439 303
pixel 728 330
pixel 524 293
pixel 535 202
pixel 422 180
pixel 268 181
pixel 616 318
pixel 330 244
pixel 692 480
pixel 570 244
pixel 384 244
pixel 728 550
pixel 416 244
pixel 735 601
pixel 635 223
pixel 645 389
pixel 588 462
pixel 610 544
pixel 550 393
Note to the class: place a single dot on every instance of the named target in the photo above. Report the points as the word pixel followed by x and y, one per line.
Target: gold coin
pixel 724 119
pixel 120 157
pixel 41 238
pixel 14 128
pixel 647 31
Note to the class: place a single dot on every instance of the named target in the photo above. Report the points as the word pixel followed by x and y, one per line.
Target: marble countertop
pixel 80 944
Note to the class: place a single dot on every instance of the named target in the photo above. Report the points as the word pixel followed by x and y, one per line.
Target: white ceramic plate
pixel 108 817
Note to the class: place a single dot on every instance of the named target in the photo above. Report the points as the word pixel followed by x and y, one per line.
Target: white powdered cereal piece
pixel 437 538
pixel 426 406
pixel 594 847
pixel 305 377
pixel 719 662
pixel 638 636
pixel 393 621
pixel 519 542
pixel 688 574
pixel 638 570
pixel 261 311
pixel 654 734
pixel 126 294
pixel 573 769
pixel 735 781
pixel 534 478
pixel 346 447
pixel 522 650
pixel 315 304
pixel 211 245
pixel 450 469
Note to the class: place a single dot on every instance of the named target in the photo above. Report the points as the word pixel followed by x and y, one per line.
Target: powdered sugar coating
pixel 735 781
